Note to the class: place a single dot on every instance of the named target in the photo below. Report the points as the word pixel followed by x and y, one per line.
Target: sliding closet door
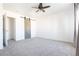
pixel 20 29
pixel 1 32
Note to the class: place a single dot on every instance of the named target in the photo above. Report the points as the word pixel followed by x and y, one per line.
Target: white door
pixel 19 28
pixel 1 31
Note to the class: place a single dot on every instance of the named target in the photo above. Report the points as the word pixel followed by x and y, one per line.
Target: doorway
pixel 8 29
pixel 11 27
pixel 27 25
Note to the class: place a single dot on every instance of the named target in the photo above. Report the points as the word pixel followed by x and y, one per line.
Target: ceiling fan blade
pixel 43 10
pixel 45 7
pixel 35 7
pixel 37 10
pixel 40 5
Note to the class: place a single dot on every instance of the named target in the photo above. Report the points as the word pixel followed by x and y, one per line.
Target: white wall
pixel 33 28
pixel 57 26
pixel 20 34
pixel 1 27
pixel 1 32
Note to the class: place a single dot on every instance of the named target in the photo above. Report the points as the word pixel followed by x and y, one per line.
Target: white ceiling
pixel 26 8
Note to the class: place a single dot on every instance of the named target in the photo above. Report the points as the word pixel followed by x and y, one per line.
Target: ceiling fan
pixel 41 7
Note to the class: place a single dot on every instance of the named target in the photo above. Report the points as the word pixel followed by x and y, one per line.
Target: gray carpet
pixel 38 47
